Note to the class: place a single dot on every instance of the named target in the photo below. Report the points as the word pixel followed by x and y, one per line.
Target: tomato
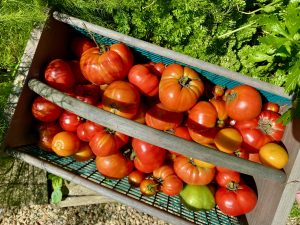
pixel 220 107
pixel 269 125
pixel 88 93
pixel 44 110
pixel 106 142
pixel 140 116
pixel 104 68
pixel 223 178
pixel 160 118
pixel 86 130
pixel 180 88
pixel 69 121
pixel 146 82
pixel 147 167
pixel 149 187
pixel 115 166
pixel 273 155
pixel 254 157
pixel 236 200
pixel 46 133
pixel 80 44
pixel 204 137
pixel 188 171
pixel 183 132
pixel 228 140
pixel 121 98
pixel 75 67
pixel 218 91
pixel 197 197
pixel 159 68
pixel 241 153
pixel 65 143
pixel 59 75
pixel 243 102
pixel 136 177
pixel 272 106
pixel 84 153
pixel 202 116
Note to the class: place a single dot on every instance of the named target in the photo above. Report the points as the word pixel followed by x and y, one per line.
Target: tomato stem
pixel 110 131
pixel 184 81
pixel 232 186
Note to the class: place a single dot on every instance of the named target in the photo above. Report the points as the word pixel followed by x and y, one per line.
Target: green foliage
pixel 295 212
pixel 57 183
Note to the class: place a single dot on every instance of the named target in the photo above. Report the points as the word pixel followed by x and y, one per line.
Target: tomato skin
pixel 220 107
pixel 149 187
pixel 121 98
pixel 272 106
pixel 162 119
pixel 80 44
pixel 75 67
pixel 146 82
pixel 236 202
pixel 88 93
pixel 65 143
pixel 273 155
pixel 135 178
pixel 205 137
pixel 179 88
pixel 182 132
pixel 115 166
pixel 84 153
pixel 59 75
pixel 202 116
pixel 218 91
pixel 110 66
pixel 87 130
pixel 106 142
pixel 46 133
pixel 224 178
pixel 228 140
pixel 44 110
pixel 241 153
pixel 189 172
pixel 243 102
pixel 69 121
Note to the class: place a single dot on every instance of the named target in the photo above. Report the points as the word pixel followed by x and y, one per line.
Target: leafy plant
pixel 57 184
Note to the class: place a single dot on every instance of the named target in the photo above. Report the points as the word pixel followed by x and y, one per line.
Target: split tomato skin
pixel 65 143
pixel 44 110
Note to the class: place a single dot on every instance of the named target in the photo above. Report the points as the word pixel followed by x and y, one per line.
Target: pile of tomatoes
pixel 171 98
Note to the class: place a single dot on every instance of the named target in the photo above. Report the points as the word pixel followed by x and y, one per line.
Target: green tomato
pixel 197 197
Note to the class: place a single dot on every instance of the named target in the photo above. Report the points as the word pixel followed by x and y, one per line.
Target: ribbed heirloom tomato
pixel 104 67
pixel 179 88
pixel 44 110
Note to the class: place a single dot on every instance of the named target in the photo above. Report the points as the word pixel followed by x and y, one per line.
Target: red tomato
pixel 224 178
pixel 204 137
pixel 243 102
pixel 121 98
pixel 115 166
pixel 191 173
pixel 220 107
pixel 272 106
pixel 46 133
pixel 87 130
pixel 106 142
pixel 202 116
pixel 84 153
pixel 69 121
pixel 88 93
pixel 65 143
pixel 159 68
pixel 75 67
pixel 180 88
pixel 149 187
pixel 241 153
pixel 236 200
pixel 162 119
pixel 59 75
pixel 44 110
pixel 183 132
pixel 80 44
pixel 136 177
pixel 170 184
pixel 254 157
pixel 146 82
pixel 104 68
pixel 140 116
pixel 218 91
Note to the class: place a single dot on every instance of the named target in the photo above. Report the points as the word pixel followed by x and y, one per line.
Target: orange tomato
pixel 84 153
pixel 228 140
pixel 273 155
pixel 65 143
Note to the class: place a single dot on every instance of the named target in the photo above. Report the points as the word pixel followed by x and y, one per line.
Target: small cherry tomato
pixel 136 177
pixel 149 187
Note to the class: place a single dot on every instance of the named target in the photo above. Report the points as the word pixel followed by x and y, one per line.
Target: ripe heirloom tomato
pixel 272 106
pixel 243 102
pixel 65 143
pixel 84 153
pixel 146 82
pixel 149 187
pixel 115 166
pixel 106 142
pixel 190 172
pixel 162 119
pixel 86 130
pixel 202 116
pixel 159 68
pixel 224 178
pixel 121 98
pixel 220 107
pixel 228 140
pixel 204 137
pixel 59 75
pixel 80 44
pixel 236 199
pixel 44 110
pixel 46 133
pixel 88 93
pixel 140 116
pixel 69 121
pixel 273 155
pixel 105 67
pixel 180 88
pixel 75 67
pixel 136 177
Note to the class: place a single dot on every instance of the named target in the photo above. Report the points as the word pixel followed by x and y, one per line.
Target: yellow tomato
pixel 273 155
pixel 228 140
pixel 201 163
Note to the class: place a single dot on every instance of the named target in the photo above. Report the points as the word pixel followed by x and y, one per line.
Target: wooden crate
pixel 276 189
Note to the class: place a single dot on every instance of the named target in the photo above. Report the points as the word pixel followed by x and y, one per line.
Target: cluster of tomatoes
pixel 171 98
